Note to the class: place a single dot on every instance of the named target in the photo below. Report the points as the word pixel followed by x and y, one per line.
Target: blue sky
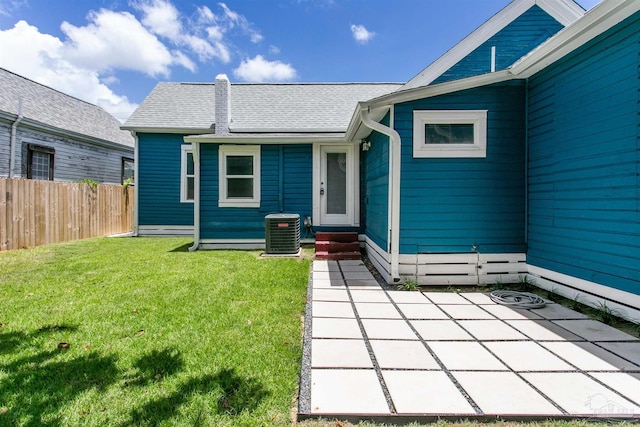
pixel 113 52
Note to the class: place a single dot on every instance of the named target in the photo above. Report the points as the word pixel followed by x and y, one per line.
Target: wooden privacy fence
pixel 34 213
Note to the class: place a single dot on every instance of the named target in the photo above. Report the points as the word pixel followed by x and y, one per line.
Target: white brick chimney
pixel 223 104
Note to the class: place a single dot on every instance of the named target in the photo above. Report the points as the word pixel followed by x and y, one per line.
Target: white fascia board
pixel 356 130
pixel 262 139
pixel 564 11
pixel 287 130
pixel 598 20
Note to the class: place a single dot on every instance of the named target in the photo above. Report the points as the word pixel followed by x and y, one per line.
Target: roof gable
pixel 515 30
pixel 49 107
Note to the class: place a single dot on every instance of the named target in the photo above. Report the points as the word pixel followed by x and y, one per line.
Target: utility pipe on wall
pixel 12 139
pixel 394 187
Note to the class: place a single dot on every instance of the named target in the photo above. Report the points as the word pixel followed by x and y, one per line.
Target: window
pixel 450 133
pixel 187 175
pixel 127 170
pixel 239 176
pixel 40 162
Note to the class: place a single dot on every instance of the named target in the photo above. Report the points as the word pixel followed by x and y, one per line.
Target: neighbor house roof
pixel 563 11
pixel 255 108
pixel 42 105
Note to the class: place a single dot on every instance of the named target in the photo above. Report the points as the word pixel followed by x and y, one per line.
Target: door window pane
pixel 336 183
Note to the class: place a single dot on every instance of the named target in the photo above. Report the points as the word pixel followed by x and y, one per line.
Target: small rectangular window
pixel 450 133
pixel 40 162
pixel 128 171
pixel 187 175
pixel 239 176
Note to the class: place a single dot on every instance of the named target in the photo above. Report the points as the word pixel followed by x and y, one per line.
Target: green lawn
pixel 156 335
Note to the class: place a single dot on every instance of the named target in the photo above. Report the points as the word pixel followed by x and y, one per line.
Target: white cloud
pixel 259 69
pixel 40 57
pixel 234 18
pixel 361 34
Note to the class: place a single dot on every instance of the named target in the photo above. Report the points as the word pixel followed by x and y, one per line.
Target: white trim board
pixel 564 11
pixel 166 230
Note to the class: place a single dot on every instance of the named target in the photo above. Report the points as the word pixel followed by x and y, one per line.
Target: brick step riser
pixel 338 255
pixel 331 246
pixel 325 236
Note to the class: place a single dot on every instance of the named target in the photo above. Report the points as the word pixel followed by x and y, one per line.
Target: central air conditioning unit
pixel 282 234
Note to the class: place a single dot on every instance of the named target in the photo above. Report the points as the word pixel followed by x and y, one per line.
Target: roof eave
pixel 264 139
pixel 158 129
pixel 598 20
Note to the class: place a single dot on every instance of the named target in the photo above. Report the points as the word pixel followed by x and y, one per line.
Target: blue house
pixel 516 153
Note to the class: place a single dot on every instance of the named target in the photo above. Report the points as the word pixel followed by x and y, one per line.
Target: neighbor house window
pixel 127 170
pixel 239 176
pixel 187 176
pixel 450 133
pixel 40 162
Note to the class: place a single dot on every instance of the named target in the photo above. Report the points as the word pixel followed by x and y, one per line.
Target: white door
pixel 337 185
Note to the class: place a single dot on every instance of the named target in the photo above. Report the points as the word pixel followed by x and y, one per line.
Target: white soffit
pixel 564 11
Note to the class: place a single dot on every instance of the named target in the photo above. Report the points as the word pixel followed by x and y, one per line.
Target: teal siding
pixel 453 205
pixel 286 185
pixel 584 152
pixel 375 188
pixel 512 42
pixel 158 181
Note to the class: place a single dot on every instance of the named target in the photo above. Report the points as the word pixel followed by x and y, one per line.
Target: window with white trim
pixel 187 174
pixel 239 175
pixel 450 133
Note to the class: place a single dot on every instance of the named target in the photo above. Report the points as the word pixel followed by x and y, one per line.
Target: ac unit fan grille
pixel 282 233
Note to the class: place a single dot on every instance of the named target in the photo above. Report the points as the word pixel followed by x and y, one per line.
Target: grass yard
pixel 156 335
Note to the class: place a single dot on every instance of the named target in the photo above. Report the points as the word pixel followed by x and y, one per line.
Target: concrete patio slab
pixel 335 328
pixel 491 330
pixel 593 330
pixel 422 311
pixel 344 391
pixel 433 330
pixel 504 393
pixel 357 275
pixel 578 394
pixel 464 311
pixel 466 355
pixel 543 330
pixel 403 355
pixel 388 329
pixel 375 353
pixel 438 394
pixel 323 265
pixel 338 353
pixel 376 310
pixel 527 356
pixel 332 309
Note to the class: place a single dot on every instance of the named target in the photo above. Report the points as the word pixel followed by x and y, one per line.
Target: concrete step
pixel 343 237
pixel 338 255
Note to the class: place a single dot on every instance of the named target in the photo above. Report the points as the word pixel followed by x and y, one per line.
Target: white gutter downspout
pixel 12 139
pixel 394 187
pixel 136 158
pixel 195 149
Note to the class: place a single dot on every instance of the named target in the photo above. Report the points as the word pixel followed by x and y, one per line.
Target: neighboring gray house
pixel 45 134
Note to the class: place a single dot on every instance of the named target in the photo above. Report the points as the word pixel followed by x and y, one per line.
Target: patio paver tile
pixel 485 330
pixel 462 311
pixel 422 311
pixel 466 355
pixel 330 295
pixel 477 298
pixel 332 309
pixel 363 284
pixel 446 298
pixel 355 268
pixel 588 357
pixel 527 356
pixel 324 265
pixel 504 393
pixel 347 391
pixel 377 310
pixel 432 330
pixel 388 329
pixel 628 350
pixel 557 312
pixel 543 330
pixel 368 295
pixel 402 355
pixel 593 330
pixel 349 262
pixel 626 383
pixel 335 328
pixel 507 313
pixel 327 275
pixel 438 394
pixel 358 275
pixel 407 297
pixel 338 353
pixel 329 284
pixel 579 395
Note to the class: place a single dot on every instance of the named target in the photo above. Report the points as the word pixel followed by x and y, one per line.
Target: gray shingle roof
pixel 50 107
pixel 269 107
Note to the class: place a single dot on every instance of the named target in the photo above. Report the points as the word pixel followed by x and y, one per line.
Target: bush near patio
pixel 156 335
